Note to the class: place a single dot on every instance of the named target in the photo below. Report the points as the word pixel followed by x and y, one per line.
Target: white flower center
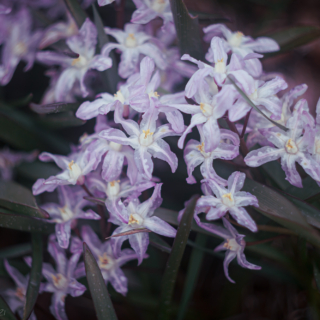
pixel 236 39
pixel 131 41
pixel 135 220
pixel 254 95
pixel 291 147
pixel 317 142
pixel 74 171
pixel 146 138
pixel 220 66
pixel 105 262
pixel 227 199
pixel 119 96
pixel 159 5
pixel 20 49
pixel 60 281
pixel 153 95
pixel 200 147
pixel 206 109
pixel 115 146
pixel 113 188
pixel 66 213
pixel 232 245
pixel 20 293
pixel 79 62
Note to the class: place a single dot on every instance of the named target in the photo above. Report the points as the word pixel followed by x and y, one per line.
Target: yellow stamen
pixel 202 106
pixel 75 61
pixel 104 259
pixel 239 34
pixel 220 60
pixel 147 133
pixel 289 144
pixel 71 164
pixel 200 147
pixel 131 36
pixel 132 220
pixel 227 195
pixel 156 94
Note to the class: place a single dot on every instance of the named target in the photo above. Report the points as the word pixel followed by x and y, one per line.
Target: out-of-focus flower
pixel 230 200
pixel 136 216
pixel 84 44
pixel 316 146
pixel 292 146
pixel 132 42
pixel 61 281
pixel 66 213
pixel 16 298
pixel 109 265
pixel 9 159
pixel 20 43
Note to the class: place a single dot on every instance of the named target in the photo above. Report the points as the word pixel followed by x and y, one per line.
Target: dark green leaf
pixel 188 32
pixel 54 107
pixel 173 263
pixel 15 197
pixel 127 233
pixel 209 17
pixel 316 273
pixel 61 120
pixel 100 296
pixel 35 275
pixel 23 223
pixel 111 75
pixel 159 243
pixel 5 311
pixel 95 200
pixel 310 189
pixel 15 251
pixel 36 170
pixel 276 173
pixel 76 11
pixel 244 96
pixel 192 275
pixel 22 101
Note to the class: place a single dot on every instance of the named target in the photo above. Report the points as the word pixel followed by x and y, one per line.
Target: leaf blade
pixel 5 311
pixel 76 11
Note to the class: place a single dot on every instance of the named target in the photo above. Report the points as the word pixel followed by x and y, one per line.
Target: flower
pixel 316 146
pixel 230 200
pixel 292 146
pixel 234 246
pixel 16 298
pixel 132 42
pixel 61 281
pixel 137 216
pixel 84 44
pixel 65 214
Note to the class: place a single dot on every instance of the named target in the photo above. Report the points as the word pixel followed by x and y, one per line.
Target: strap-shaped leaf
pixel 187 28
pixel 23 223
pixel 54 107
pixel 245 97
pixel 173 263
pixel 76 11
pixel 192 275
pixel 36 170
pixel 159 243
pixel 61 120
pixel 5 311
pixel 35 275
pixel 16 197
pixel 100 296
pixel 15 251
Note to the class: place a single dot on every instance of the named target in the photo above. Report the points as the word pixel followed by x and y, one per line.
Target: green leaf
pixel 159 243
pixel 54 107
pixel 244 96
pixel 276 173
pixel 15 197
pixel 310 189
pixel 23 223
pixel 209 17
pixel 22 101
pixel 36 170
pixel 5 311
pixel 61 120
pixel 111 75
pixel 173 263
pixel 192 275
pixel 15 251
pixel 76 11
pixel 100 296
pixel 187 28
pixel 35 275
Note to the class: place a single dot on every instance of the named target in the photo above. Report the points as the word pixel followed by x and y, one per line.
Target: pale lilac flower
pixel 230 200
pixel 106 2
pixel 61 281
pixel 234 246
pixel 5 9
pixel 20 43
pixel 292 146
pixel 135 216
pixel 66 213
pixel 9 159
pixel 84 44
pixel 133 42
pixel 146 139
pixel 316 146
pixel 16 298
pixel 147 10
pixel 109 265
pixel 194 155
pixel 242 45
pixel 75 167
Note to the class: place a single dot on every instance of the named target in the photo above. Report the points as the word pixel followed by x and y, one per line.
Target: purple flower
pixel 230 200
pixel 84 44
pixel 16 298
pixel 316 146
pixel 132 42
pixel 234 246
pixel 20 44
pixel 242 45
pixel 135 216
pixel 61 281
pixel 148 10
pixel 109 265
pixel 146 140
pixel 66 213
pixel 194 155
pixel 292 146
pixel 75 167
